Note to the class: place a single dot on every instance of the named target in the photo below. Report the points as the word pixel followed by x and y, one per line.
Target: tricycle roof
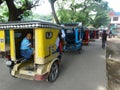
pixel 71 26
pixel 27 25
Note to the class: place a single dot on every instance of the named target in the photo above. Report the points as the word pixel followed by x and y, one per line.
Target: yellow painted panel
pixel 39 48
pixel 44 47
pixel 12 45
pixel 2 40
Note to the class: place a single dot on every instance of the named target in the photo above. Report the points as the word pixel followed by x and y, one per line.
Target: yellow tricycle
pixel 34 54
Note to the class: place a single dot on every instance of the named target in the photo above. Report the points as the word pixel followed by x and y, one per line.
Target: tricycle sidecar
pixel 73 37
pixel 44 63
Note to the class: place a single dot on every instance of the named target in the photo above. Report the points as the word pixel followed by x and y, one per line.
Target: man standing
pixel 60 39
pixel 26 47
pixel 104 39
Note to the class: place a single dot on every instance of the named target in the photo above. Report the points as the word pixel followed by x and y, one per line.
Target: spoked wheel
pixel 54 72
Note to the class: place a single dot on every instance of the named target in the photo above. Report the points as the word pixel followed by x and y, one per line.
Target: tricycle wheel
pixel 80 50
pixel 54 72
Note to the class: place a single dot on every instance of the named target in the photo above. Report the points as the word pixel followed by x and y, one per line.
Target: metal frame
pixel 28 25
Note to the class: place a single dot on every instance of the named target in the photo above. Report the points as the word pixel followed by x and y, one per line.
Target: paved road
pixel 84 71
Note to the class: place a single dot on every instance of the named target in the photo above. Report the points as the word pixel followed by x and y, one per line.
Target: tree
pixel 53 11
pixel 87 11
pixel 3 12
pixel 18 7
pixel 102 15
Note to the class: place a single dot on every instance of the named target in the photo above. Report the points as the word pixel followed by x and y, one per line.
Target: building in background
pixel 114 25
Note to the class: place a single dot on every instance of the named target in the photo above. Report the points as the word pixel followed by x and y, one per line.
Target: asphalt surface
pixel 85 71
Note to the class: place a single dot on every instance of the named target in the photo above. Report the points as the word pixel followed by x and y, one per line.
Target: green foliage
pixel 46 17
pixel 26 14
pixel 37 17
pixel 3 12
pixel 17 9
pixel 102 15
pixel 89 12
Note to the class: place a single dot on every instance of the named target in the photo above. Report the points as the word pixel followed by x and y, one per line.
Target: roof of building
pixel 114 13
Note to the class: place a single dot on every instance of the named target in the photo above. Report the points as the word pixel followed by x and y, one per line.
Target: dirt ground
pixel 113 63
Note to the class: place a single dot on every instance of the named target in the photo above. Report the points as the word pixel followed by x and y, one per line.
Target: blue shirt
pixel 25 44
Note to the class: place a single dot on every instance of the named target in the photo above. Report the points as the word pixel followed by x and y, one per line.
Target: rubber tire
pixel 80 50
pixel 54 67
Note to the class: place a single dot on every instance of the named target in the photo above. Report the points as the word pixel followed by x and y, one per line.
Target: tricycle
pixel 86 36
pixel 73 38
pixel 33 50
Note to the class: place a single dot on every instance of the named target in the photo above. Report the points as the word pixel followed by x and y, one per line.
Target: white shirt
pixel 58 39
pixel 63 33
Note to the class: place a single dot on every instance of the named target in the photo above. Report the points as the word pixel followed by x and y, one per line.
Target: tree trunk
pixel 14 13
pixel 54 14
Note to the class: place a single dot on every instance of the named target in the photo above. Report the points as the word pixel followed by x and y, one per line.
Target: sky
pixel 115 4
pixel 45 7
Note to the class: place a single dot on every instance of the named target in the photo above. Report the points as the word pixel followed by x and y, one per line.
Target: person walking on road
pixel 104 39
